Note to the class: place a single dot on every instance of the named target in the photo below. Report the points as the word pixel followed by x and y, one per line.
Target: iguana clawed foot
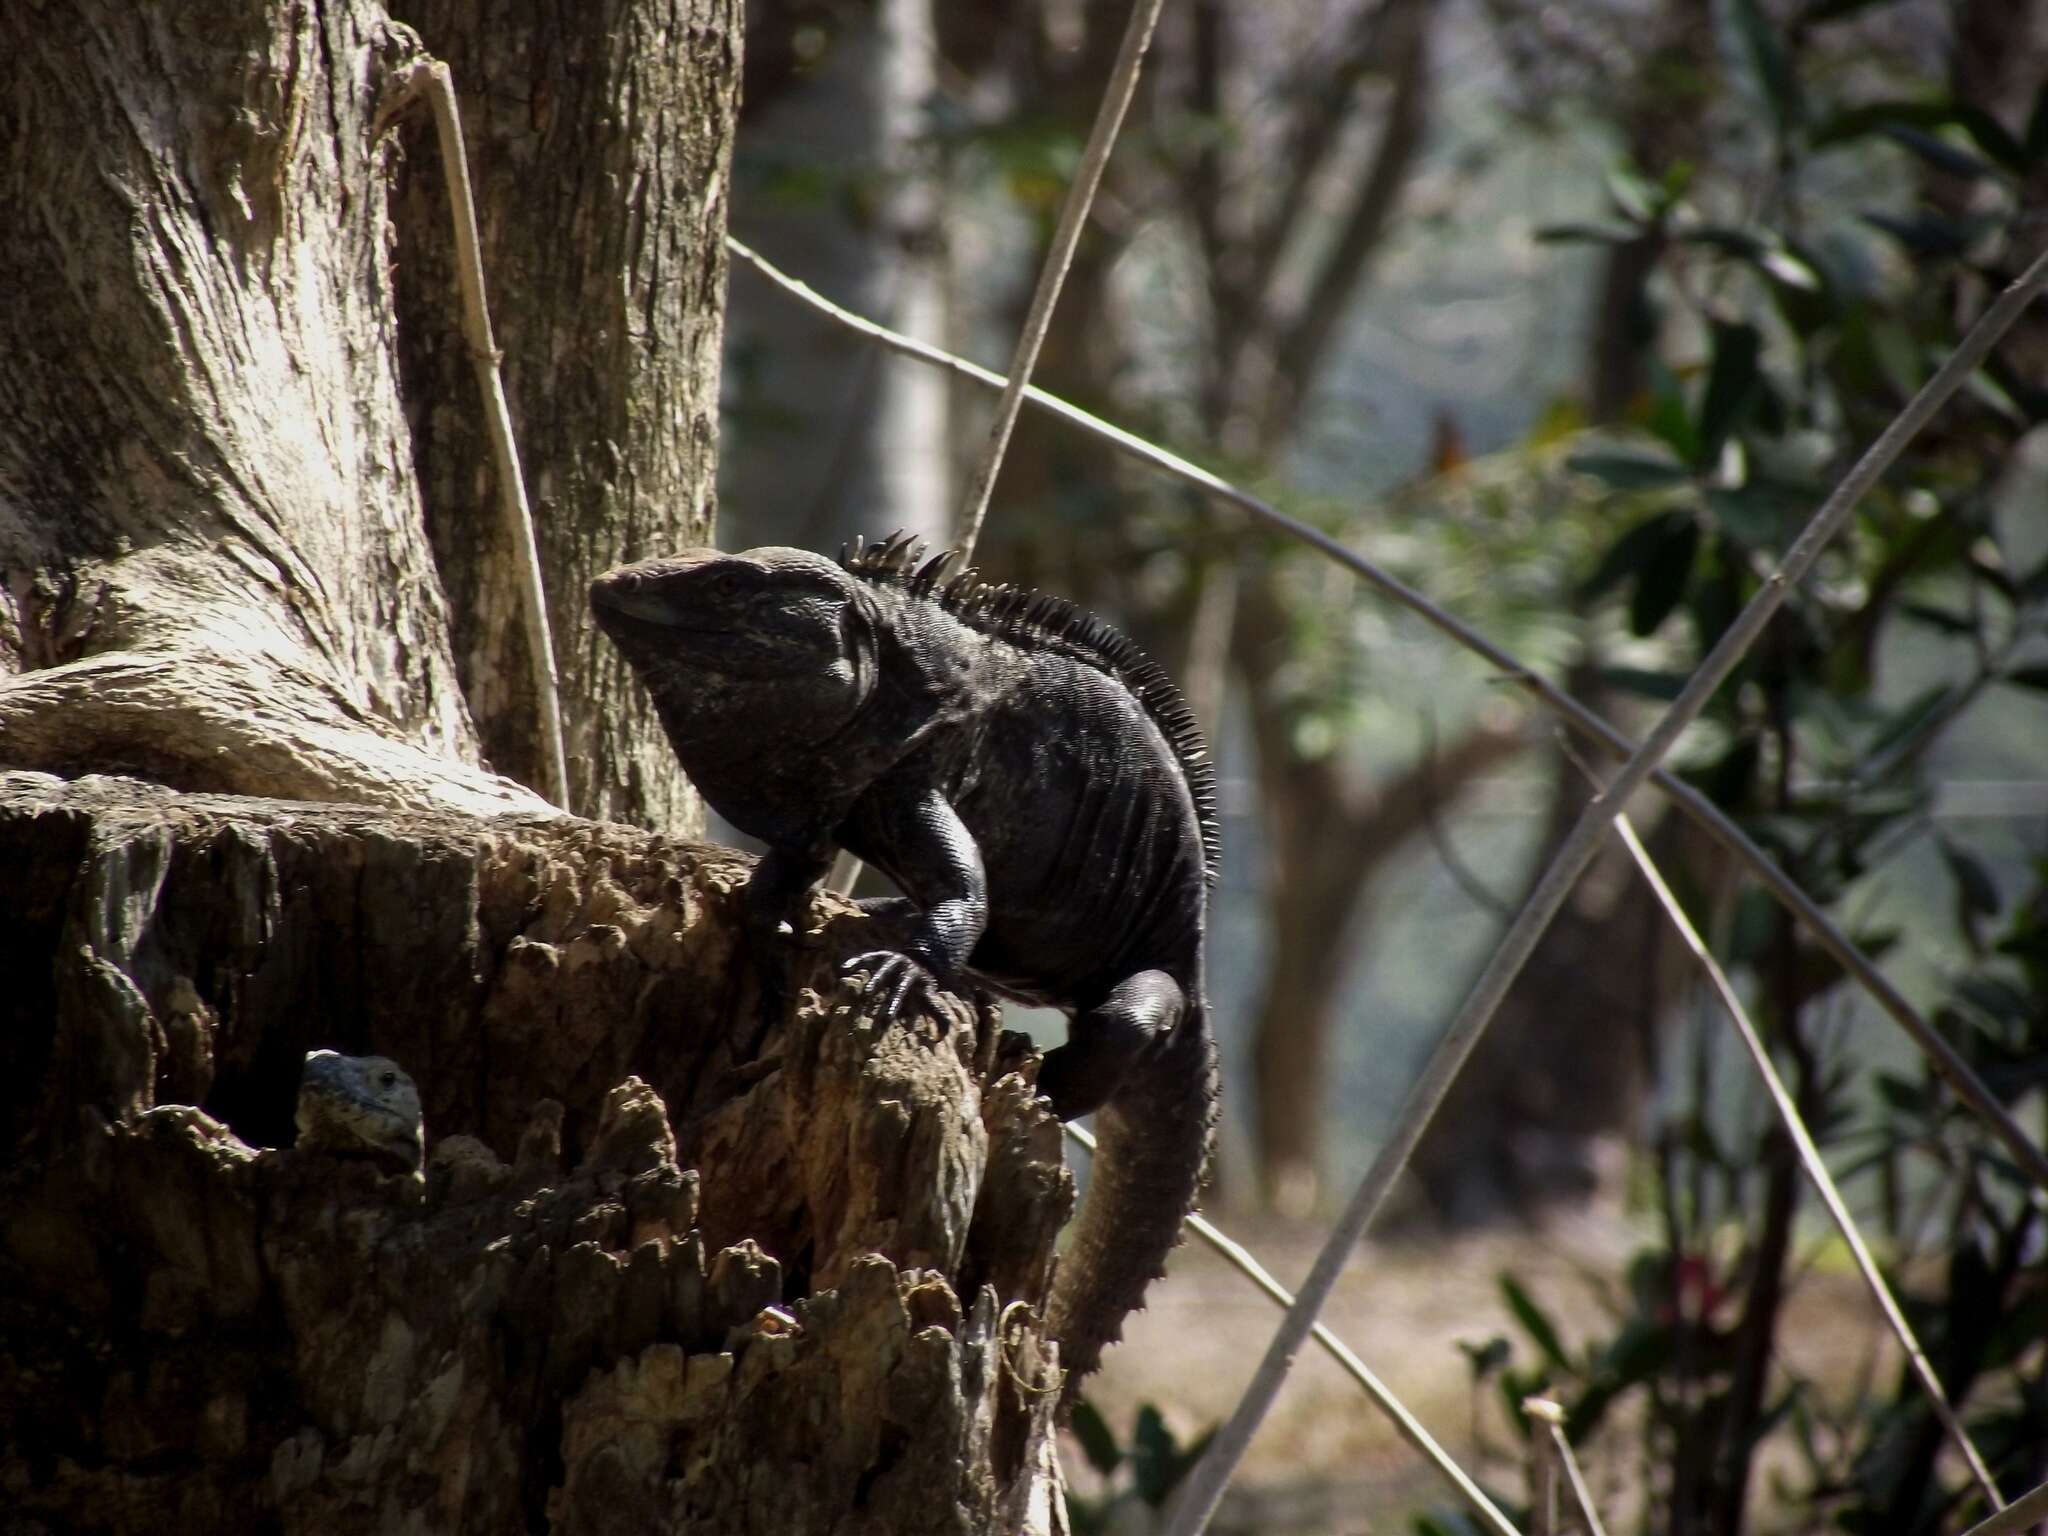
pixel 894 980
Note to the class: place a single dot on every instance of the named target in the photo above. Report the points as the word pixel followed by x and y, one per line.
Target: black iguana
pixel 1031 782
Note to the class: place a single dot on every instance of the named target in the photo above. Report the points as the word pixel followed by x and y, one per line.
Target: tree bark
pixel 599 140
pixel 215 571
pixel 667 1271
pixel 672 1266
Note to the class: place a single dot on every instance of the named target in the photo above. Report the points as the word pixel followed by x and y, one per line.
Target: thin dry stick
pixel 1405 1424
pixel 430 78
pixel 2024 1512
pixel 1557 1454
pixel 1704 813
pixel 1205 1485
pixel 1809 1155
pixel 1109 117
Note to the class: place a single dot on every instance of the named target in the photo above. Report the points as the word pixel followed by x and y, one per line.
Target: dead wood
pixel 668 1270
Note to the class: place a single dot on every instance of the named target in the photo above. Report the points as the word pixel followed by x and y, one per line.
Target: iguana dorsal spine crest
pixel 1032 619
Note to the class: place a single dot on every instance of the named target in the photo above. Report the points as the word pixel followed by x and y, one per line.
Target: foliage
pixel 1786 340
pixel 1140 1475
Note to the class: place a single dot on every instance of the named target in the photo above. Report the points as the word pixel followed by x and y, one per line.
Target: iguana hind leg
pixel 1105 1041
pixel 772 906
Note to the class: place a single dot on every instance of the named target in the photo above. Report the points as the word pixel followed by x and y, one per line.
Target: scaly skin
pixel 1030 782
pixel 361 1106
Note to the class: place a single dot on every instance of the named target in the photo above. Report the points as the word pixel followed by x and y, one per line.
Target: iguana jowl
pixel 1033 785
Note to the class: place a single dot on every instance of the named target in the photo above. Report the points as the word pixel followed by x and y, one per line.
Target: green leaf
pixel 1660 584
pixel 1995 998
pixel 1927 234
pixel 1758 514
pixel 1905 1095
pixel 1535 1322
pixel 1640 680
pixel 1911 124
pixel 1098 1441
pixel 1730 383
pixel 1587 233
pixel 1910 718
pixel 1728 780
pixel 1485 1358
pixel 1770 66
pixel 1974 885
pixel 1630 469
pixel 1834 10
pixel 1939 618
pixel 1793 271
pixel 1991 137
pixel 1627 554
pixel 1636 197
pixel 1153 1456
pixel 1941 154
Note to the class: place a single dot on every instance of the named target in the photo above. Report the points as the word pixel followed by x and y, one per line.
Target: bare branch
pixel 2025 1512
pixel 1116 99
pixel 1557 1454
pixel 1309 332
pixel 1317 130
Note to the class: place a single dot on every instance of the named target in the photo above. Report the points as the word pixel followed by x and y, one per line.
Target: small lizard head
pixel 712 633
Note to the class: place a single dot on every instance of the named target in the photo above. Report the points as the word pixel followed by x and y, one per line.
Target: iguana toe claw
pixel 892 979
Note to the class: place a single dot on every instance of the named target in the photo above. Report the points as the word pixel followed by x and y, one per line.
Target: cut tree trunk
pixel 668 1270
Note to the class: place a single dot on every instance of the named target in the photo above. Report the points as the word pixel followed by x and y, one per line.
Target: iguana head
pixel 712 634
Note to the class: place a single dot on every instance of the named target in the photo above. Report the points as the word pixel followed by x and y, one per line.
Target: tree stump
pixel 671 1266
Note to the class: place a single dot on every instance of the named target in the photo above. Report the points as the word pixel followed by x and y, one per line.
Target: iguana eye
pixel 387 1079
pixel 725 583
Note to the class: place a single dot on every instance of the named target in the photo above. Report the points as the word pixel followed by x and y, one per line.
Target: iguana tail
pixel 1154 1142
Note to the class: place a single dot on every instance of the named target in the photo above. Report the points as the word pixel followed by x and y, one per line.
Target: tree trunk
pixel 784 1309
pixel 599 140
pixel 216 573
pixel 829 435
pixel 1563 1079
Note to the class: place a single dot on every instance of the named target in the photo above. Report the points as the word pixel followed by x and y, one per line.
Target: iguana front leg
pixel 936 861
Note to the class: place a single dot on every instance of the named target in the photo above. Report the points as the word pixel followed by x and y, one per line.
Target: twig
pixel 2029 1509
pixel 1809 1155
pixel 1405 1423
pixel 1551 1416
pixel 1704 813
pixel 1109 117
pixel 1205 1485
pixel 1461 873
pixel 430 78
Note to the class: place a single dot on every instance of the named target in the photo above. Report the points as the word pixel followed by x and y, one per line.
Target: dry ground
pixel 1326 1462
